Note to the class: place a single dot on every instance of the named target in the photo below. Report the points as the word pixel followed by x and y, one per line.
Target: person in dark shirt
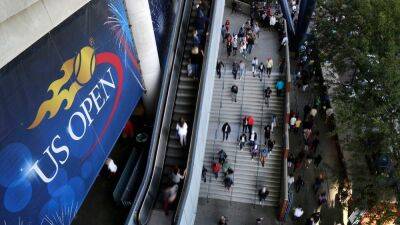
pixel 234 91
pixel 235 69
pixel 220 65
pixel 267 95
pixel 263 194
pixel 226 129
pixel 267 133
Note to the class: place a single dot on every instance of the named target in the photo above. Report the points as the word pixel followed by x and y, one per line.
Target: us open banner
pixel 63 104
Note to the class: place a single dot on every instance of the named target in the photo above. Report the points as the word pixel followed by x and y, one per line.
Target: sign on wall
pixel 63 104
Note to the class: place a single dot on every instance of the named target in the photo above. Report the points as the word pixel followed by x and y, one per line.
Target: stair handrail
pixel 216 131
pixel 285 189
pixel 240 119
pixel 259 155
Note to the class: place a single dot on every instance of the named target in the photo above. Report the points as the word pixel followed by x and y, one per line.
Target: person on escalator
pixel 196 57
pixel 201 20
pixel 169 197
pixel 175 176
pixel 182 129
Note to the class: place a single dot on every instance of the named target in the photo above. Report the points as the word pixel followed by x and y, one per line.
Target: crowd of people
pixel 309 82
pixel 239 51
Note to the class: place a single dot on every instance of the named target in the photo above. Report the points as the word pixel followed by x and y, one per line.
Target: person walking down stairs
pixel 263 194
pixel 226 129
pixel 234 91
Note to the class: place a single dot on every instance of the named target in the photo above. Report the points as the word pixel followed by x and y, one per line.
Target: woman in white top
pixel 254 65
pixel 256 29
pixel 235 44
pixel 182 129
pixel 273 123
pixel 243 49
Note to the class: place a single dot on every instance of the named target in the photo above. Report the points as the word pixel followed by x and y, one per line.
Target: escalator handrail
pixel 137 203
pixel 195 135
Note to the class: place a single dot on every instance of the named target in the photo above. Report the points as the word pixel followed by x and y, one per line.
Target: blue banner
pixel 64 102
pixel 163 16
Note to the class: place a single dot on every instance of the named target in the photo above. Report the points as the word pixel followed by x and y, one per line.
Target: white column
pixel 145 41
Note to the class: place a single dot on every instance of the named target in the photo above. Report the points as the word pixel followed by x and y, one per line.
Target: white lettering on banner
pixel 104 82
pixel 71 131
pixel 57 150
pixel 86 110
pixel 39 171
pixel 96 99
pixel 78 119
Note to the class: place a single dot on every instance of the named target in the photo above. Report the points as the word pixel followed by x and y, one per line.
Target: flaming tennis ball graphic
pixel 80 69
pixel 84 65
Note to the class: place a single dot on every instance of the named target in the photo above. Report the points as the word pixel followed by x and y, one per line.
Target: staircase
pixel 249 175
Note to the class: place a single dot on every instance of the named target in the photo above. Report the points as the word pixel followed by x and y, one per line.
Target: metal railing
pixel 285 188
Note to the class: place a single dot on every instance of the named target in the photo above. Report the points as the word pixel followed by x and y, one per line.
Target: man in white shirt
pixel 298 213
pixel 290 179
pixel 254 65
pixel 272 21
pixel 112 167
pixel 283 43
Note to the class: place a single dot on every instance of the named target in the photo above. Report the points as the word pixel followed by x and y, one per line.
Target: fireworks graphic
pixel 118 21
pixel 158 18
pixel 62 217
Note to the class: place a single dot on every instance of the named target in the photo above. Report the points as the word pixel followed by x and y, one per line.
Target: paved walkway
pixel 331 213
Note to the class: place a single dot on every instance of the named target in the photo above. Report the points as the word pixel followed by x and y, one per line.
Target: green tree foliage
pixel 360 39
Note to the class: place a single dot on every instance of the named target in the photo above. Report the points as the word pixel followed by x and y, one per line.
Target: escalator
pixel 177 99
